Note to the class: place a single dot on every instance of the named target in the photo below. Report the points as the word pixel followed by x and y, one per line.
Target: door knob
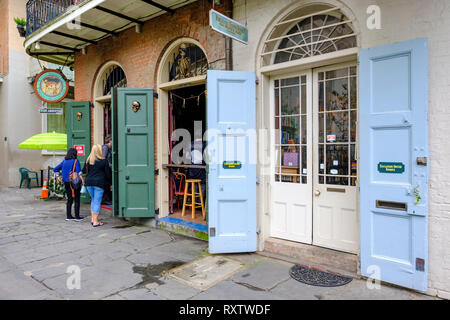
pixel 317 193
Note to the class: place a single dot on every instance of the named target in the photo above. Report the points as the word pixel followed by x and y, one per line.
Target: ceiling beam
pixel 62 34
pixel 50 53
pixel 117 14
pixel 85 25
pixel 160 6
pixel 58 46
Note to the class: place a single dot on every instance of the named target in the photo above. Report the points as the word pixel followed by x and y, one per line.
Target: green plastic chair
pixel 28 175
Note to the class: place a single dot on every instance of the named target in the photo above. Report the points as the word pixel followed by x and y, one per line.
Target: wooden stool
pixel 194 195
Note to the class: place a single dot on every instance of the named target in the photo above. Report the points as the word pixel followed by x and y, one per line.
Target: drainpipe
pixel 228 47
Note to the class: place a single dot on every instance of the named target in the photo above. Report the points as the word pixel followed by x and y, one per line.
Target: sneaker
pixel 70 219
pixel 79 219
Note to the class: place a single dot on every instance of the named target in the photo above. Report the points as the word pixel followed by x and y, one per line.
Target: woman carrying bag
pixel 71 176
pixel 98 174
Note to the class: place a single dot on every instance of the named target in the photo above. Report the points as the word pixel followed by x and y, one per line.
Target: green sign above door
pixel 228 27
pixel 391 167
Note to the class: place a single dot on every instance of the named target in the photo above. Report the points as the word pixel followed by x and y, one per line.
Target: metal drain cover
pixel 205 272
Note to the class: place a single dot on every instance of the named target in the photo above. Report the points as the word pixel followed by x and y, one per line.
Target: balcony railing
pixel 41 12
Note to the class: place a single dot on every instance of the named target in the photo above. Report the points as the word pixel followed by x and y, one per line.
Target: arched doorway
pixel 110 75
pixel 181 82
pixel 308 65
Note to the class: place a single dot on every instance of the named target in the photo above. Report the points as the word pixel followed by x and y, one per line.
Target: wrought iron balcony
pixel 41 12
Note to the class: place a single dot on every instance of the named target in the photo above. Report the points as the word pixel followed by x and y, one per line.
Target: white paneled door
pixel 314 184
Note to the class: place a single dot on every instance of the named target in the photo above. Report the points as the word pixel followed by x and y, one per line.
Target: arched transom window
pixel 114 77
pixel 308 32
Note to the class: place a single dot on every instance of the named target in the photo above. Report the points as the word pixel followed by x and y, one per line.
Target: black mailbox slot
pixel 400 206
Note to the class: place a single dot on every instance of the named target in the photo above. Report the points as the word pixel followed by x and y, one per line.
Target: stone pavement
pixel 123 261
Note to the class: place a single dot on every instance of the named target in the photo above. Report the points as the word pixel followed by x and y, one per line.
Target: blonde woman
pixel 98 176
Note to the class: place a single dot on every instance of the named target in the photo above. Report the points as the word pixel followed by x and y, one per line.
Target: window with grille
pixel 309 35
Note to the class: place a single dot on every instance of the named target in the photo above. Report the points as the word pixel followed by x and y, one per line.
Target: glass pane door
pixel 337 116
pixel 291 130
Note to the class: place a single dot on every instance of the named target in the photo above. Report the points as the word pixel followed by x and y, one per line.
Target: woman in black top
pixel 98 175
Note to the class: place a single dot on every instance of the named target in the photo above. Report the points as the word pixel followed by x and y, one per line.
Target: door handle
pixel 127 178
pixel 317 193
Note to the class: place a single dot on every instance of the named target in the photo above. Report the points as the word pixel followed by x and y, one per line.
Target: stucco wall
pixel 401 20
pixel 19 106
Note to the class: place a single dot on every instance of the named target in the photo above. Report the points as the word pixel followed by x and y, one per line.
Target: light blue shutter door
pixel 231 138
pixel 394 173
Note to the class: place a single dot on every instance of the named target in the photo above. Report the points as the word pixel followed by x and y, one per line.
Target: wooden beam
pixel 62 34
pixel 160 6
pixel 50 53
pixel 117 14
pixel 85 25
pixel 58 46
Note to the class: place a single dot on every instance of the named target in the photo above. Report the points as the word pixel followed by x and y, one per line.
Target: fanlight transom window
pixel 309 35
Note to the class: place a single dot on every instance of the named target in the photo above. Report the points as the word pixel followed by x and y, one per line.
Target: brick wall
pixel 139 54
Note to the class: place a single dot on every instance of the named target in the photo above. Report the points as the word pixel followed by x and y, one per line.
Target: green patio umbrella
pixel 48 141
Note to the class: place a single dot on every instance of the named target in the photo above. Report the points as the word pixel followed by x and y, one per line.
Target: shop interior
pixel 187 111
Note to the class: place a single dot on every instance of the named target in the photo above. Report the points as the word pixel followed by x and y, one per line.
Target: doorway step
pixel 312 256
pixel 183 227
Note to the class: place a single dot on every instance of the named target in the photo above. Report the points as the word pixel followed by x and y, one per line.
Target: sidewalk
pixel 120 261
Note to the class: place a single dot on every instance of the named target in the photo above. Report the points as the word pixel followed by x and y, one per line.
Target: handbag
pixel 83 189
pixel 74 179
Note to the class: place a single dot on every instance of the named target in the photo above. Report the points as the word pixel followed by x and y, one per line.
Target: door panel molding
pixel 394 130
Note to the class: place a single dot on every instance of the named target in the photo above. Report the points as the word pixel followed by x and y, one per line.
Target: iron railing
pixel 41 12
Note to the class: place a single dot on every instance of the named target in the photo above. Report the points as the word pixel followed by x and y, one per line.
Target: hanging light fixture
pixel 37 45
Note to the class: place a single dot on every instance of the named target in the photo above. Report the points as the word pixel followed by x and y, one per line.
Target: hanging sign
pixel 391 167
pixel 228 27
pixel 51 86
pixel 58 111
pixel 80 149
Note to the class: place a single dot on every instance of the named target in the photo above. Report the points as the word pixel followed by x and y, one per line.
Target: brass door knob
pixel 317 193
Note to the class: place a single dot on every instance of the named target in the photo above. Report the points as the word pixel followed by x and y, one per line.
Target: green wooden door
pixel 134 153
pixel 79 132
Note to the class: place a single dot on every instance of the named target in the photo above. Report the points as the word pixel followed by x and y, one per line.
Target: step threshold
pixel 183 227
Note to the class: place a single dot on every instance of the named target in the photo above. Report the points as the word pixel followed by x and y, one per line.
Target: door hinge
pixel 157 211
pixel 155 95
pixel 157 172
pixel 91 104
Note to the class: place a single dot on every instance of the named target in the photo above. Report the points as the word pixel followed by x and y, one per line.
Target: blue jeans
pixel 96 194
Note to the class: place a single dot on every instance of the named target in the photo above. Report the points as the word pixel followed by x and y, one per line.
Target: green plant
pixel 57 188
pixel 418 197
pixel 20 21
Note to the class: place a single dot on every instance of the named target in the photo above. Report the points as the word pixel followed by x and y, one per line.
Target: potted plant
pixel 21 23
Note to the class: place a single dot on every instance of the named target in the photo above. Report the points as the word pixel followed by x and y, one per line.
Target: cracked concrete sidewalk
pixel 123 261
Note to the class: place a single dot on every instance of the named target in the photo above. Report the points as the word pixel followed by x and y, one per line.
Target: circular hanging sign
pixel 51 86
